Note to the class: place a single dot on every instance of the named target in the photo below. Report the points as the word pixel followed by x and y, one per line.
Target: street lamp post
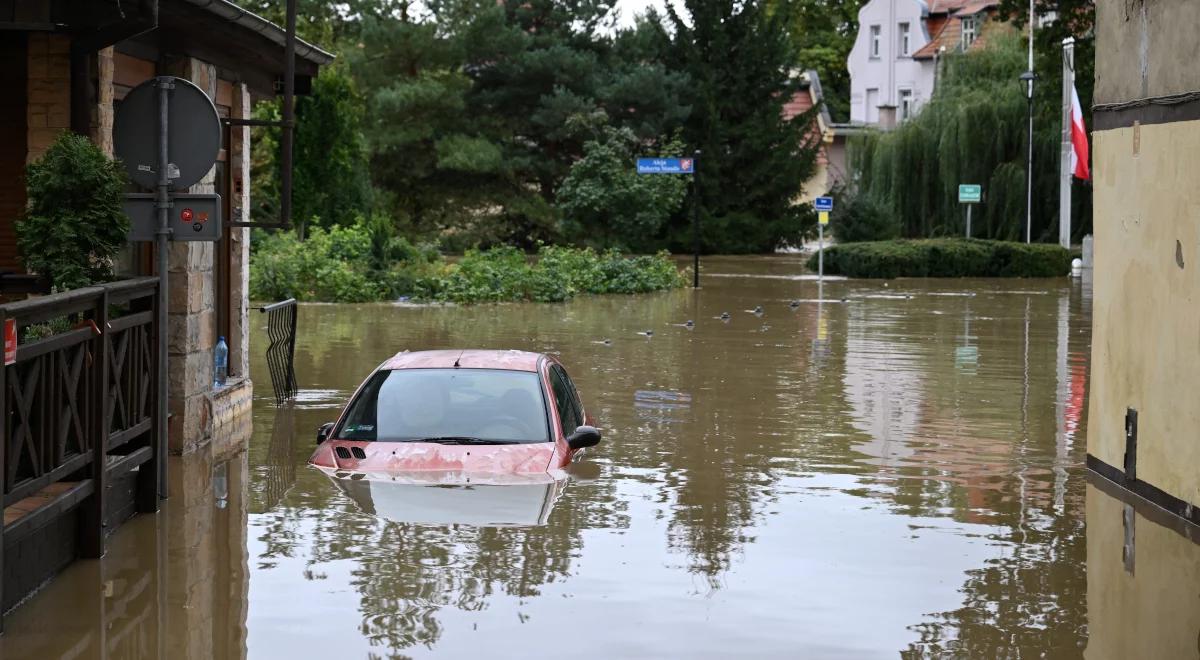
pixel 1028 77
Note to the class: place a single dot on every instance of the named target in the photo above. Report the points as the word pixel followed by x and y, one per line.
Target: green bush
pixel 855 218
pixel 557 274
pixel 74 225
pixel 361 264
pixel 945 257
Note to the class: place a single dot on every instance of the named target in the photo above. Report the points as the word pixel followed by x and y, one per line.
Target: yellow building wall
pixel 1146 316
pixel 1152 611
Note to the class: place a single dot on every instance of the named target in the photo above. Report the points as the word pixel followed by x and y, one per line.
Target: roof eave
pixel 232 13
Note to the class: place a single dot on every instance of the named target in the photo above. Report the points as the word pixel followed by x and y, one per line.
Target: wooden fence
pixel 77 427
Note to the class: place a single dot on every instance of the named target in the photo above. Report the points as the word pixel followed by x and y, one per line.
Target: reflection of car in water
pixel 507 412
pixel 446 498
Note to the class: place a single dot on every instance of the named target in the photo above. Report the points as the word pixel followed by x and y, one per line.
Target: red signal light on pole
pixel 185 215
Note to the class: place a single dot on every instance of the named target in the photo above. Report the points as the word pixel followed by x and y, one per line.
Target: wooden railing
pixel 77 407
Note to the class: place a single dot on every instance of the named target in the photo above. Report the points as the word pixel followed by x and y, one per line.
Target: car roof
pixel 464 359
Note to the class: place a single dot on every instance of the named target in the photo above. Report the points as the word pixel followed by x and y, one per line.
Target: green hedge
pixel 361 263
pixel 945 257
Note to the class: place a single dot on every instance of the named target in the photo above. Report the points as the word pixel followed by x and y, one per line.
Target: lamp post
pixel 1028 77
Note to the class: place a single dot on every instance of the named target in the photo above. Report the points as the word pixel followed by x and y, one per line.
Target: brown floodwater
pixel 885 469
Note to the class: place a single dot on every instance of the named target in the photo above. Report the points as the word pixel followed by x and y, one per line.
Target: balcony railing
pixel 77 413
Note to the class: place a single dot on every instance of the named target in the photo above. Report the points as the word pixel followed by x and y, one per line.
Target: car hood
pixel 445 498
pixel 404 457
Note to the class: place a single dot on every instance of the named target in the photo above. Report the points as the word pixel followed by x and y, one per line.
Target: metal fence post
pixel 91 542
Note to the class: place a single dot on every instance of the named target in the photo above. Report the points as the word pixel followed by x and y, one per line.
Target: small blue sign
pixel 823 203
pixel 666 166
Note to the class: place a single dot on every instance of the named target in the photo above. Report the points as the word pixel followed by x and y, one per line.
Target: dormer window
pixel 970 30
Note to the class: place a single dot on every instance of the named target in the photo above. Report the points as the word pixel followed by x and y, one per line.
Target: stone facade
pixel 196 410
pixel 49 91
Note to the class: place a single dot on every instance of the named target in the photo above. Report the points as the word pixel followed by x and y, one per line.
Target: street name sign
pixel 666 166
pixel 970 193
pixel 823 204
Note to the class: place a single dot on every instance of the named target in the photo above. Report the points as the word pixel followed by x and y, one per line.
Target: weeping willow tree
pixel 973 130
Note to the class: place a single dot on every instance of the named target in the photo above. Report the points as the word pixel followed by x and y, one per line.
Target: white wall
pixel 891 71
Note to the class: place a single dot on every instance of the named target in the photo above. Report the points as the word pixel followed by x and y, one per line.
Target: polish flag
pixel 1079 140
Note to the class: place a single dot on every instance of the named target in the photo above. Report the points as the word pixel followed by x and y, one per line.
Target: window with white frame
pixel 875 41
pixel 904 40
pixel 970 30
pixel 906 104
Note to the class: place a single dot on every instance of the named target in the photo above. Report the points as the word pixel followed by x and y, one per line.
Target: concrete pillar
pixel 239 353
pixel 102 112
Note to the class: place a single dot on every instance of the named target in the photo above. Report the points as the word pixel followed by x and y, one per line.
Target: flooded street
pixel 882 469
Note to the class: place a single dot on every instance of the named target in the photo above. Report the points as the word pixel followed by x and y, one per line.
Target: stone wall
pixel 49 91
pixel 199 413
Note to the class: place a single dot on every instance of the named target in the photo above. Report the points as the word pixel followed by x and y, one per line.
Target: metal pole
pixel 1064 173
pixel 969 220
pixel 1029 159
pixel 289 119
pixel 1029 173
pixel 162 203
pixel 696 219
pixel 820 252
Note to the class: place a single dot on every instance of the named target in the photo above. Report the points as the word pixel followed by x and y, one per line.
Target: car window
pixel 568 413
pixel 574 393
pixel 413 404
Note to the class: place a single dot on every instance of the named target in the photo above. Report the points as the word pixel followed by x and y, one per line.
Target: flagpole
pixel 1029 77
pixel 1065 171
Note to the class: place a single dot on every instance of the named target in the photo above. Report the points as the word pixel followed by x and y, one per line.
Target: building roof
pixel 232 13
pixel 949 37
pixel 949 6
pixel 465 359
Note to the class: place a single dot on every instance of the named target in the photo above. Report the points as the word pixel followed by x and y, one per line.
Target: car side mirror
pixel 324 431
pixel 583 437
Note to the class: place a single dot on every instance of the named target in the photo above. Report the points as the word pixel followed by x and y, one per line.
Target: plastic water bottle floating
pixel 220 363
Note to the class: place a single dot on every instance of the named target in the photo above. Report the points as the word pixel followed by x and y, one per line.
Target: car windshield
pixel 483 405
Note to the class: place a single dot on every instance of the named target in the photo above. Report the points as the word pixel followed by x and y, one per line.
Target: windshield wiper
pixel 465 440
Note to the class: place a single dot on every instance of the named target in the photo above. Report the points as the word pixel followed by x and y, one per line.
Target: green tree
pixel 823 32
pixel 331 184
pixel 972 131
pixel 74 224
pixel 1073 18
pixel 605 203
pixel 739 58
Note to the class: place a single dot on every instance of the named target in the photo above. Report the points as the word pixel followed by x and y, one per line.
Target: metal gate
pixel 281 352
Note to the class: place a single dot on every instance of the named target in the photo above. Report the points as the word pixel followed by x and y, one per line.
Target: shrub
pixel 856 218
pixel 604 200
pixel 74 225
pixel 945 257
pixel 346 264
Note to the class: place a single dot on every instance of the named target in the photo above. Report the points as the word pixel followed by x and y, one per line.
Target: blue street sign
pixel 823 203
pixel 666 166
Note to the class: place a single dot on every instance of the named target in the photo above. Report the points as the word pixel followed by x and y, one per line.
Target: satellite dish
pixel 193 134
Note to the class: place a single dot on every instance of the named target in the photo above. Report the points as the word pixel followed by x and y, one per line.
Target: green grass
pixel 945 257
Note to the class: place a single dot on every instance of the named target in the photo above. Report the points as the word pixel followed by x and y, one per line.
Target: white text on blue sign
pixel 666 165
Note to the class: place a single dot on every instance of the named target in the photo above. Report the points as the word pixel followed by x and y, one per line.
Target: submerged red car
pixel 459 411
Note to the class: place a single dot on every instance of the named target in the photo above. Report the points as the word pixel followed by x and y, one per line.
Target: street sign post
pixel 168 134
pixel 969 194
pixel 824 206
pixel 681 166
pixel 195 217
